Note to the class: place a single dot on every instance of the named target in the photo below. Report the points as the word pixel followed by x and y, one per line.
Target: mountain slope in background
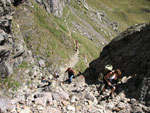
pixel 37 39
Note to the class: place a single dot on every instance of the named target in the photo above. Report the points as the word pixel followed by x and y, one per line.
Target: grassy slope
pixel 44 34
pixel 126 12
pixel 87 53
pixel 48 36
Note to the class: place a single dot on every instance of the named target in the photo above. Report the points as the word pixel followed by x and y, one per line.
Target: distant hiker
pixel 76 43
pixel 43 79
pixel 110 81
pixel 71 74
pixel 56 75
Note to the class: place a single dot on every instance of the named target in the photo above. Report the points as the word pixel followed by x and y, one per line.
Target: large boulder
pixel 130 52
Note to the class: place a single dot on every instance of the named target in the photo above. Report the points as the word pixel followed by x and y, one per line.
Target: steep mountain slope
pixel 47 36
pixel 37 39
pixel 96 25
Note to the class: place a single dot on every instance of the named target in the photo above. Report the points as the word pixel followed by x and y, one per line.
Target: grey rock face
pixel 6 63
pixel 13 50
pixel 41 63
pixel 53 6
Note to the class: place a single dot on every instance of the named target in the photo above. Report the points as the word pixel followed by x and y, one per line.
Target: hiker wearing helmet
pixel 71 74
pixel 110 80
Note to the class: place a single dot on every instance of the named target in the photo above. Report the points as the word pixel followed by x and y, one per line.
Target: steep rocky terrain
pixel 37 39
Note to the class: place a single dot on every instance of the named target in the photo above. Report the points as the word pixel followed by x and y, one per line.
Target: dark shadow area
pixel 89 77
pixel 136 87
pixel 18 2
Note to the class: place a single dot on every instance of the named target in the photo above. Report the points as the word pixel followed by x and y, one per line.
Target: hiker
pixel 44 80
pixel 56 75
pixel 71 74
pixel 110 81
pixel 76 43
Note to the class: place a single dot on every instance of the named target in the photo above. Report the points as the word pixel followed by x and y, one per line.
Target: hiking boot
pixel 69 82
pixel 101 93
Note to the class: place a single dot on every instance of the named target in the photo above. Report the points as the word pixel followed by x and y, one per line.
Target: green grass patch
pixel 92 49
pixel 24 65
pixel 9 83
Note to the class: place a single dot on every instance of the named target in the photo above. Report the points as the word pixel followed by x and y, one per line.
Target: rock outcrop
pixel 53 6
pixel 13 50
pixel 6 39
pixel 130 52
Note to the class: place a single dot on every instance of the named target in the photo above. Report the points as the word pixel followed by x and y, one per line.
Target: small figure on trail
pixel 71 74
pixel 76 43
pixel 110 81
pixel 45 81
pixel 56 75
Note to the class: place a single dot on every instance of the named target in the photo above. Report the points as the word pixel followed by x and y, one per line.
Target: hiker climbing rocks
pixel 110 81
pixel 71 74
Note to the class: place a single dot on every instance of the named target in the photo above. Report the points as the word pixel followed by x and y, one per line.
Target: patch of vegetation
pixel 9 83
pixel 24 65
pixel 45 34
pixel 81 65
pixel 88 51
